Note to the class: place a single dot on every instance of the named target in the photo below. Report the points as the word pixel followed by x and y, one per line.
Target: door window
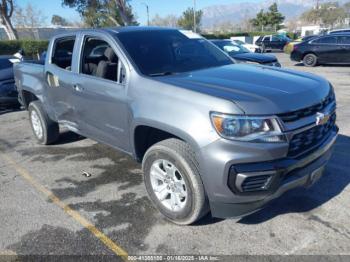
pixel 63 52
pixel 267 38
pixel 345 40
pixel 325 40
pixel 100 60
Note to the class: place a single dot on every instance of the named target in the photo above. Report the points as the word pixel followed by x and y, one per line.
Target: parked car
pixel 8 92
pixel 340 31
pixel 327 49
pixel 211 134
pixel 272 42
pixel 288 48
pixel 251 47
pixel 241 54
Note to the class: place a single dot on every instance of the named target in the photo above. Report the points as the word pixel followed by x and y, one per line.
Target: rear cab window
pixel 62 53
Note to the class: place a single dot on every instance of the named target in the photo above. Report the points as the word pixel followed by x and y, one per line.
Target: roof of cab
pixel 116 30
pixel 123 29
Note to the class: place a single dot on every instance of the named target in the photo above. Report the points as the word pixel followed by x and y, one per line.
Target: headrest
pixel 111 56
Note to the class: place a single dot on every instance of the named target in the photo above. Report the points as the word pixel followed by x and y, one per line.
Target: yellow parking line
pixel 74 214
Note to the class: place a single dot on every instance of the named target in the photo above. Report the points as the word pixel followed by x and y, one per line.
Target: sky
pixel 161 7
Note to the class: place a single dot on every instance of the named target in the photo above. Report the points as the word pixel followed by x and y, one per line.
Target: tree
pixel 274 17
pixel 261 20
pixel 347 10
pixel 186 21
pixel 30 17
pixel 167 21
pixel 98 13
pixel 6 12
pixel 59 20
pixel 271 18
pixel 327 14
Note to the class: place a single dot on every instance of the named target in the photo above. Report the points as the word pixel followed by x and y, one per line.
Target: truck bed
pixel 29 76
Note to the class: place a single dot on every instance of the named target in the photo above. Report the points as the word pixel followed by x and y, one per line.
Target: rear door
pixel 59 76
pixel 344 49
pixel 326 49
pixel 100 91
pixel 267 41
pixel 276 42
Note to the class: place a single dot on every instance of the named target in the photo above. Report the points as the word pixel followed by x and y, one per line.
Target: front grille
pixel 296 115
pixel 311 138
pixel 255 183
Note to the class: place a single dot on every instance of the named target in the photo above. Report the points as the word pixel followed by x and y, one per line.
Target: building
pixel 42 33
pixel 312 30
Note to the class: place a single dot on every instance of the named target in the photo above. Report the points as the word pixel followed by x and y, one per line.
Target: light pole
pixel 147 8
pixel 194 17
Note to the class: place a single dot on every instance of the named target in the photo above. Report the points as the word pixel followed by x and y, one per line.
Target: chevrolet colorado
pixel 212 135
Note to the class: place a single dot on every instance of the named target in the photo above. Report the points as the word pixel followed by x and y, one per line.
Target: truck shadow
pixel 301 200
pixel 68 137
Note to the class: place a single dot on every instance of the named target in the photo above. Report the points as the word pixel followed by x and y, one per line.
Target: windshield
pixel 161 52
pixel 231 48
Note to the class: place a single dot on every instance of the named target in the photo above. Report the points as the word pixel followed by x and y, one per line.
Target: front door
pixel 100 93
pixel 326 49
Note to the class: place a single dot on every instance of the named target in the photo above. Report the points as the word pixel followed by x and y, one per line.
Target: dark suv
pixel 270 42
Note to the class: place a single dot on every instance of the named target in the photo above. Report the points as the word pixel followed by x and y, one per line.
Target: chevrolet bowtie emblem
pixel 322 118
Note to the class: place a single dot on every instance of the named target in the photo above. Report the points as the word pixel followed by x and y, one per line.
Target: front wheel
pixel 173 182
pixel 45 130
pixel 310 60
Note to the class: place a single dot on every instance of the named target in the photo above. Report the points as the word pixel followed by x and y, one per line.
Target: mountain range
pixel 236 12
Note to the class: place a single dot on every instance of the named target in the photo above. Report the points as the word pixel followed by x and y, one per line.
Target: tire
pixel 39 120
pixel 310 60
pixel 182 158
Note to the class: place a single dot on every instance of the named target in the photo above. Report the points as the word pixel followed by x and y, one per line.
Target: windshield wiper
pixel 163 74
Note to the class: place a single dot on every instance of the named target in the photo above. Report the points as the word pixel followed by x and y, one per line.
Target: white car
pixel 251 47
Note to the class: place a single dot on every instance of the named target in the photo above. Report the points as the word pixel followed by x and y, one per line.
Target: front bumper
pixel 287 173
pixel 296 56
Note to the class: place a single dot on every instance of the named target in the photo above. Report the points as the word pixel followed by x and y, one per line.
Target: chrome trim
pixel 241 177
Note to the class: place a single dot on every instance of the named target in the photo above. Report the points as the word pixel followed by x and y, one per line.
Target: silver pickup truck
pixel 212 135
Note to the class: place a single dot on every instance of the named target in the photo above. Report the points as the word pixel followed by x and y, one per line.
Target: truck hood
pixel 255 57
pixel 256 90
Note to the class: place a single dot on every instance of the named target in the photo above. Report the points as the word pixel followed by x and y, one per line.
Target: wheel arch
pixel 146 134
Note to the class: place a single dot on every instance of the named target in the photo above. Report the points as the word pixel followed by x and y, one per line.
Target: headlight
pixel 247 128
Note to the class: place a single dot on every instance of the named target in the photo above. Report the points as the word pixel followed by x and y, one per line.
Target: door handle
pixel 52 79
pixel 78 88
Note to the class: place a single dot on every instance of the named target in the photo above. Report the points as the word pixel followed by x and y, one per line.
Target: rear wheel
pixel 173 182
pixel 310 60
pixel 45 130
